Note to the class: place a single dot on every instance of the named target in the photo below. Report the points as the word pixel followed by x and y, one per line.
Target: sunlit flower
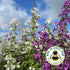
pixel 33 69
pixel 30 68
pixel 14 21
pixel 35 9
pixel 38 16
pixel 28 22
pixel 41 47
pixel 33 12
pixel 49 21
pixel 27 43
pixel 37 24
pixel 11 29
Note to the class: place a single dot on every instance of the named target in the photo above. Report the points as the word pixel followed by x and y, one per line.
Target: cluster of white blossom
pixel 30 68
pixel 11 62
pixel 49 21
pixel 14 21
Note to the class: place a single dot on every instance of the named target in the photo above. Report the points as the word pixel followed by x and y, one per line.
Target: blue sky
pixel 21 9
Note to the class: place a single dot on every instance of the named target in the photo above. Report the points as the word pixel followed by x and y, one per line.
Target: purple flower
pixel 37 56
pixel 56 23
pixel 46 66
pixel 66 65
pixel 35 43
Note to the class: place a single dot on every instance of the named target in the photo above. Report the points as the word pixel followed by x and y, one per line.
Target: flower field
pixel 29 53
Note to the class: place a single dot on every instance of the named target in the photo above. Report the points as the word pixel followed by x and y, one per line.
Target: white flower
pixel 18 66
pixel 49 21
pixel 35 9
pixel 9 43
pixel 36 46
pixel 9 36
pixel 43 52
pixel 8 62
pixel 33 12
pixel 5 65
pixel 37 24
pixel 13 60
pixel 8 57
pixel 65 44
pixel 27 43
pixel 30 68
pixel 41 47
pixel 13 21
pixel 39 16
pixel 29 47
pixel 24 33
pixel 16 46
pixel 33 69
pixel 8 68
pixel 17 24
pixel 27 29
pixel 23 52
pixel 47 31
pixel 11 29
pixel 28 22
pixel 12 66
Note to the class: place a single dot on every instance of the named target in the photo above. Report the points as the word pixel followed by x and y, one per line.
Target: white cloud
pixel 53 11
pixel 8 11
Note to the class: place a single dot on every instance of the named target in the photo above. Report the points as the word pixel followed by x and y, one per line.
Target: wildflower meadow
pixel 29 53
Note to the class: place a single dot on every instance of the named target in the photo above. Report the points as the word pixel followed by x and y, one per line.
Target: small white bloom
pixel 18 66
pixel 56 36
pixel 8 62
pixel 37 24
pixel 41 47
pixel 17 23
pixel 5 65
pixel 9 42
pixel 11 29
pixel 8 68
pixel 30 68
pixel 47 31
pixel 9 36
pixel 26 43
pixel 28 22
pixel 39 38
pixel 24 33
pixel 23 52
pixel 36 46
pixel 33 69
pixel 16 46
pixel 13 21
pixel 29 47
pixel 43 52
pixel 12 66
pixel 49 21
pixel 13 60
pixel 65 44
pixel 32 12
pixel 39 16
pixel 35 9
pixel 8 57
pixel 30 44
pixel 27 29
